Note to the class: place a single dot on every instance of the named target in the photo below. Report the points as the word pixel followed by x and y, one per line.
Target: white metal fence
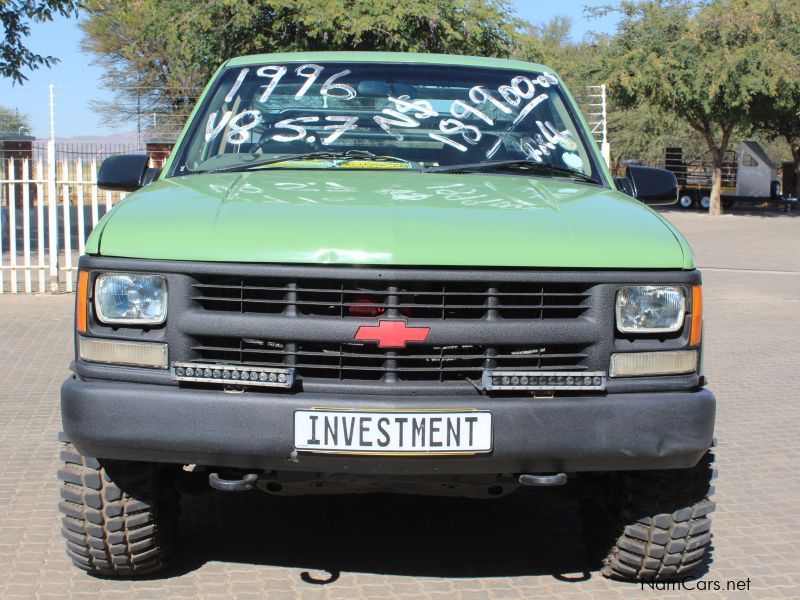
pixel 595 110
pixel 49 204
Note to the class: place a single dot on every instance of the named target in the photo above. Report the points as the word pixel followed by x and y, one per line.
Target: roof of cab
pixel 388 57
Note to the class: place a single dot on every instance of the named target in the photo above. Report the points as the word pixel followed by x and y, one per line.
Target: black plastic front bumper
pixel 255 430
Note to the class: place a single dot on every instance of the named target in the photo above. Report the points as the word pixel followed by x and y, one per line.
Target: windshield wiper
pixel 330 154
pixel 522 164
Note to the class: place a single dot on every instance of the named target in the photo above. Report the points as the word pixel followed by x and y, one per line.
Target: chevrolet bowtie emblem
pixel 392 334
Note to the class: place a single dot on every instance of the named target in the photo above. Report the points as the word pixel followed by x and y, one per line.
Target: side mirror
pixel 656 187
pixel 126 173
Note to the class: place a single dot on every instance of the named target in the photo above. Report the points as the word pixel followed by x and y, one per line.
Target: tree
pixel 15 15
pixel 701 62
pixel 777 115
pixel 12 123
pixel 158 53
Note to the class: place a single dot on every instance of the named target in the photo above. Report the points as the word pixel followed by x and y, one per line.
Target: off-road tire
pixel 119 517
pixel 665 524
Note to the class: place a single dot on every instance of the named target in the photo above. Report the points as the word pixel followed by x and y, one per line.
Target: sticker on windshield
pixel 573 161
pixel 567 143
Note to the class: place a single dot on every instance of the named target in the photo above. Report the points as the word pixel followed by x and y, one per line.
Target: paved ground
pixel 379 546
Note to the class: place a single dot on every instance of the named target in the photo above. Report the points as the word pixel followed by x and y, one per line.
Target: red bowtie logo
pixel 392 334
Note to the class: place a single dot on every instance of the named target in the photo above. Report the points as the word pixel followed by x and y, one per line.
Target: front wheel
pixel 119 517
pixel 663 529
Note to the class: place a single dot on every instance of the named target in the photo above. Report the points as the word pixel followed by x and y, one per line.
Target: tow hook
pixel 248 482
pixel 543 480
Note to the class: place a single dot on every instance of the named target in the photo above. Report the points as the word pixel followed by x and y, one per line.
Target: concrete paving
pixel 254 546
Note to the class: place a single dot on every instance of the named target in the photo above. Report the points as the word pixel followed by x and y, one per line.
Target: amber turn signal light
pixel 697 316
pixel 82 302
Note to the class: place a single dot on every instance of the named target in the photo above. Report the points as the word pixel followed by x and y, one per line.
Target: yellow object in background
pixel 369 164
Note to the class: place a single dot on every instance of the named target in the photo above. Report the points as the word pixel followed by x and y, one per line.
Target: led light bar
pixel 232 374
pixel 544 380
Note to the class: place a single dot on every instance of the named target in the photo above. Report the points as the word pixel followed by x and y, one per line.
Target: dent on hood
pixel 343 255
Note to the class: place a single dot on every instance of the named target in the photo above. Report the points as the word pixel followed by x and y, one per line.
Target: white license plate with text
pixel 388 432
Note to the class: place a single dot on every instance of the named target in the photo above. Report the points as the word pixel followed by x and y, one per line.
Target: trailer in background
pixel 748 177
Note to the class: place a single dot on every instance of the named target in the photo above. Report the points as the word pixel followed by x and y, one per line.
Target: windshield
pixel 383 116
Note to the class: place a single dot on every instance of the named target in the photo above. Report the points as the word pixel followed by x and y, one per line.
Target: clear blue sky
pixel 77 82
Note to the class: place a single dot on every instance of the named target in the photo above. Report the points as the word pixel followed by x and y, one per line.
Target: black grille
pixel 416 299
pixel 367 362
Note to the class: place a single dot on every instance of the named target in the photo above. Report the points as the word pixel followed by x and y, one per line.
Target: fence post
pixel 52 215
pixel 65 192
pixel 93 180
pixel 2 270
pixel 80 218
pixel 12 224
pixel 40 202
pixel 26 223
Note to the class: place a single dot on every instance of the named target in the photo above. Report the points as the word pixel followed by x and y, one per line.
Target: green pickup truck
pixel 387 272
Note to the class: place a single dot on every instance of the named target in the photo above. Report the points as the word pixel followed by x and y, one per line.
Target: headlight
pixel 122 298
pixel 650 309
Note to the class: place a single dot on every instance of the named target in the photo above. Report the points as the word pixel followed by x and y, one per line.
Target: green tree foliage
pixel 703 63
pixel 160 52
pixel 15 17
pixel 12 123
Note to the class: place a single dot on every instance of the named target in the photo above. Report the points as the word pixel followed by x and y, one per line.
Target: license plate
pixel 385 432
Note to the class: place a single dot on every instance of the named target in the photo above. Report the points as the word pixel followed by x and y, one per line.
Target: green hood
pixel 389 218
